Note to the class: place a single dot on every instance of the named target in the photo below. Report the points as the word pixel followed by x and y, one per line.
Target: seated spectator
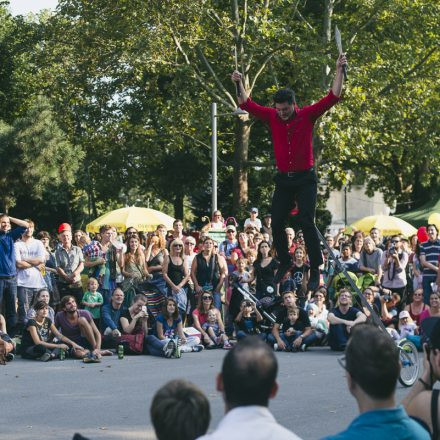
pixel 434 307
pixel 134 324
pixel 213 327
pixel 247 321
pixel 422 402
pixel 389 302
pixel 36 340
pixel 394 261
pixel 319 326
pixel 93 300
pixel 342 319
pixel 347 261
pixel 200 316
pixel 180 410
pixel 295 331
pixel 41 295
pixel 318 299
pixel 253 220
pixel 170 340
pixel 247 382
pixel 110 318
pixel 78 326
pixel 370 259
pixel 416 307
pixel 369 295
pixel 7 347
pixel 372 368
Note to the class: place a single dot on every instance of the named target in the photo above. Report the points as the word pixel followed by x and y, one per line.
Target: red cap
pixel 64 227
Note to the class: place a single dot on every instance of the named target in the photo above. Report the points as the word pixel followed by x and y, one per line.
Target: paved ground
pixel 111 400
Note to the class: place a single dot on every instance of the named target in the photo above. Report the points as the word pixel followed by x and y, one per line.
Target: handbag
pixel 135 342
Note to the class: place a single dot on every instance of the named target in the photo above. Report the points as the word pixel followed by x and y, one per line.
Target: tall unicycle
pixel 409 360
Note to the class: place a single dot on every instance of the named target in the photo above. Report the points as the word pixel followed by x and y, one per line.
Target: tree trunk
pixel 178 206
pixel 240 174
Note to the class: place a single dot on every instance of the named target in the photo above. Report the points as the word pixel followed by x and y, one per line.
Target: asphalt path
pixel 111 400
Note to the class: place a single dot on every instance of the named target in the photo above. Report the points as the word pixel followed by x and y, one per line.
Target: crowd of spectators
pixel 170 292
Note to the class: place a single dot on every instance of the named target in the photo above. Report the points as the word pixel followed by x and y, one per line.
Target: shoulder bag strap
pixel 434 413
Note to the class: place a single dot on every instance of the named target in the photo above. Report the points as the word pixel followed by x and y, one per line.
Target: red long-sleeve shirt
pixel 292 139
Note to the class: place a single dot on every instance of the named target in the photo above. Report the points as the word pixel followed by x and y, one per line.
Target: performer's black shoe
pixel 282 270
pixel 314 279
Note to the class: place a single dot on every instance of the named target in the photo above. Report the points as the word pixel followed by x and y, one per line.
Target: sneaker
pixel 198 348
pixel 44 358
pixel 169 348
pixel 313 283
pixel 227 345
pixel 10 357
pixel 275 347
pixel 303 347
pixel 282 270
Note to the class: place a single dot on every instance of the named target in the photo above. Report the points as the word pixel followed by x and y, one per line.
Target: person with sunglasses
pixel 372 367
pixel 422 402
pixel 200 317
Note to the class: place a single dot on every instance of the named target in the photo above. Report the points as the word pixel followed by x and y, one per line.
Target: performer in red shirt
pixel 292 130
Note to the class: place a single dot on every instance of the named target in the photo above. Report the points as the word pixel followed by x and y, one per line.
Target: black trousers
pixel 299 187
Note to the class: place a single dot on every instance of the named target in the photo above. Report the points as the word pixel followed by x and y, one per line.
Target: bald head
pixel 248 374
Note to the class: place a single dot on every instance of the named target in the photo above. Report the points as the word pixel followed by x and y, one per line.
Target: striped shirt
pixel 431 251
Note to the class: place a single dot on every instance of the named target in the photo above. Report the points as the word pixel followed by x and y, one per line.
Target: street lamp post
pixel 214 115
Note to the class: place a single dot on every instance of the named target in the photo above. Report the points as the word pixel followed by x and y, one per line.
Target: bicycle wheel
pixel 409 360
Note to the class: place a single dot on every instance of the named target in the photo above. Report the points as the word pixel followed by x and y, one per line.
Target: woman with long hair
pixel 416 307
pixel 176 275
pixel 243 242
pixel 356 247
pixel 265 267
pixel 155 253
pixel 42 295
pixel 133 267
pixel 300 274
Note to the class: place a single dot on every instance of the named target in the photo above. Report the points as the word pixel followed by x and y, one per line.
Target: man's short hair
pixel 372 359
pixel 249 372
pixel 180 411
pixel 284 95
pixel 432 225
pixel 104 228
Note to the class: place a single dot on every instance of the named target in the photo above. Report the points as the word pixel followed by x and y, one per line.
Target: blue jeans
pixel 25 297
pixel 427 289
pixel 288 340
pixel 217 300
pixel 155 345
pixel 241 335
pixel 8 291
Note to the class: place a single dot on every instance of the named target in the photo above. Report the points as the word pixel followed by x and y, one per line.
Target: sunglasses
pixel 206 298
pixel 177 245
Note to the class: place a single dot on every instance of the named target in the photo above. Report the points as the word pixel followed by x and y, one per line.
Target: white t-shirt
pixel 255 223
pixel 31 277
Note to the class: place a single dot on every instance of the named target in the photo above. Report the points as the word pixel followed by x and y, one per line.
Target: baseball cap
pixel 254 210
pixel 64 227
pixel 231 228
pixel 404 314
pixel 431 329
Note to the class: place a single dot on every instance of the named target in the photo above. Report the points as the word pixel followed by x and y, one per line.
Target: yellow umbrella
pixel 434 219
pixel 387 224
pixel 143 219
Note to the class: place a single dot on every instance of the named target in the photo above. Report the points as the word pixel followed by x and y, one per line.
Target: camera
pixel 392 249
pixel 387 298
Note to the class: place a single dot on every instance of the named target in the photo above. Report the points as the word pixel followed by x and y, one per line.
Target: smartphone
pixel 144 309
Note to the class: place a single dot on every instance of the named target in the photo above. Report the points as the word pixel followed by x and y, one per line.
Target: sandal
pixel 2 352
pixel 91 358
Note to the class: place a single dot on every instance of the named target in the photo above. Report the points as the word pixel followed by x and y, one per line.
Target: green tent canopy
pixel 419 217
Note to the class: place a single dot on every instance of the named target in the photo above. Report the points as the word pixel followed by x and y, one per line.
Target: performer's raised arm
pixel 237 77
pixel 339 77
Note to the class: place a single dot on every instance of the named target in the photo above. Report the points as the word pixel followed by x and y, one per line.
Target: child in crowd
pixel 93 300
pixel 319 326
pixel 241 275
pixel 215 331
pixel 247 320
pixel 406 327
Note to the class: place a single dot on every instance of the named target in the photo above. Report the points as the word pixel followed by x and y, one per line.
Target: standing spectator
pixel 177 233
pixel 291 244
pixel 30 257
pixel 265 268
pixel 243 242
pixel 247 382
pixel 394 261
pixel 299 273
pixel 155 253
pixel 78 238
pixel 93 300
pixel 228 245
pixel 180 410
pixel 253 220
pixel 370 259
pixel 50 267
pixel 331 242
pixel 8 270
pixel 377 238
pixel 342 320
pixel 372 367
pixel 70 263
pixel 102 261
pixel 416 271
pixel 266 228
pixel 358 243
pixel 429 258
pixel 78 326
pixel 188 251
pixel 208 273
